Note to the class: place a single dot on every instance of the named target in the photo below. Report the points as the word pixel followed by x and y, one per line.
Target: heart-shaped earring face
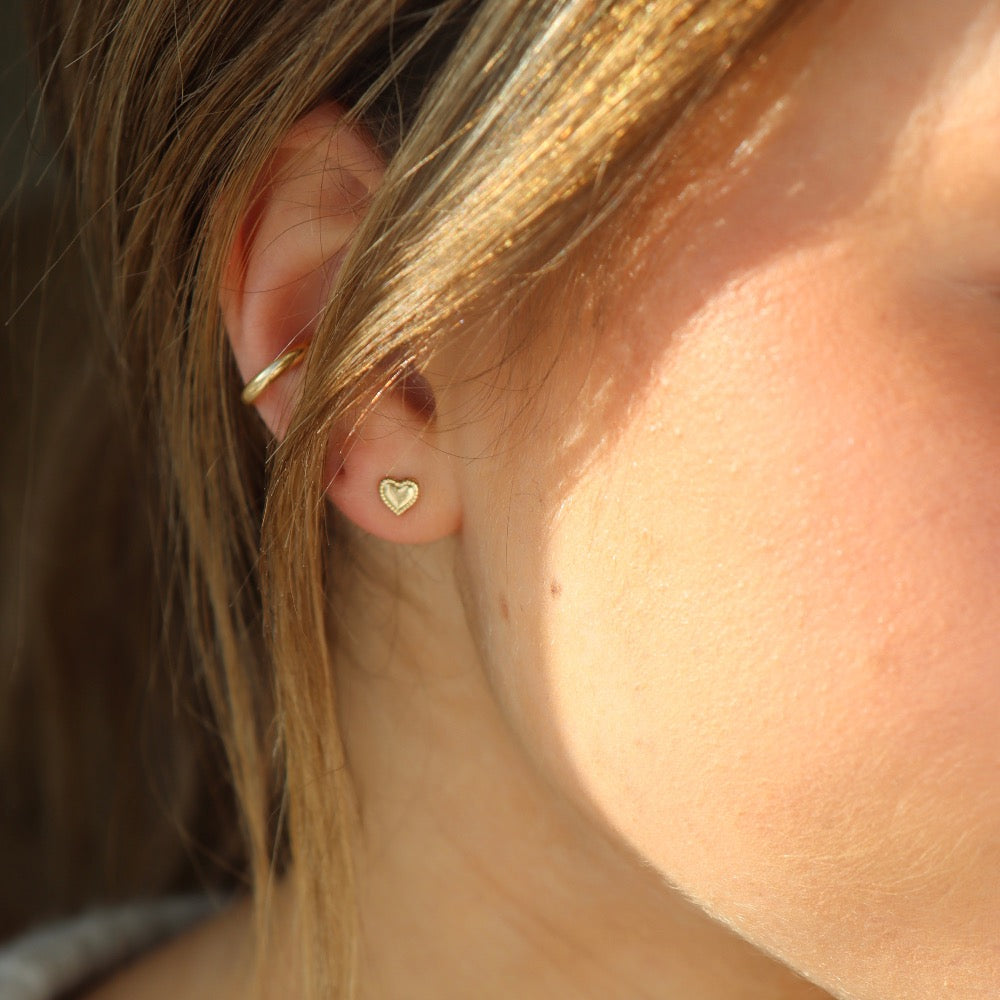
pixel 399 495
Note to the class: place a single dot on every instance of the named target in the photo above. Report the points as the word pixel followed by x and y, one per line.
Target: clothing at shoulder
pixel 53 961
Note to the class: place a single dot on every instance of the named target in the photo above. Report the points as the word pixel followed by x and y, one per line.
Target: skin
pixel 715 697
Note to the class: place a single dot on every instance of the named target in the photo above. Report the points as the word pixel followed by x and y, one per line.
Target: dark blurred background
pixel 15 88
pixel 110 784
pixel 29 320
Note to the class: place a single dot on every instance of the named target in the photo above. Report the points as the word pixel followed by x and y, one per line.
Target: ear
pixel 281 267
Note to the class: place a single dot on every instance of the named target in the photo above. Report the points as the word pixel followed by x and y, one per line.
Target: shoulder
pixel 211 959
pixel 52 961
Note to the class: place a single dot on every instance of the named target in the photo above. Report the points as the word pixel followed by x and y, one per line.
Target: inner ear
pixel 417 394
pixel 405 407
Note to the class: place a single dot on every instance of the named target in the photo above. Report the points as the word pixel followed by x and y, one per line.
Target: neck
pixel 476 877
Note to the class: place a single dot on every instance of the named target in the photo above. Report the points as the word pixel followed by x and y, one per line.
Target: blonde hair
pixel 513 129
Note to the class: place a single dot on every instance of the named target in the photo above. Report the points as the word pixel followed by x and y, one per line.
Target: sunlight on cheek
pixel 774 670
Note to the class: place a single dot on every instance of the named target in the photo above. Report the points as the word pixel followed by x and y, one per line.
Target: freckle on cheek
pixel 555 589
pixel 504 609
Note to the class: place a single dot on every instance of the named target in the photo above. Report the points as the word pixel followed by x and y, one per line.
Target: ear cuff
pixel 289 359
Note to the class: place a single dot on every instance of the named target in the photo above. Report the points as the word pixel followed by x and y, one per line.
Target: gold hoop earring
pixel 274 370
pixel 399 495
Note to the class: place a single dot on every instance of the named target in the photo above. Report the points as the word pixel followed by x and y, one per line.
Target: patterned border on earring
pixel 399 495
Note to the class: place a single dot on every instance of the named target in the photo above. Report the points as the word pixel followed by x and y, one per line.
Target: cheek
pixel 773 666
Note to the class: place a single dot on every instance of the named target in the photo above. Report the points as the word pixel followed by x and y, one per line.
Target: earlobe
pixel 392 478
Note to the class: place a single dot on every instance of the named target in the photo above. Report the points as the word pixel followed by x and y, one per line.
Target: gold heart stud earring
pixel 399 495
